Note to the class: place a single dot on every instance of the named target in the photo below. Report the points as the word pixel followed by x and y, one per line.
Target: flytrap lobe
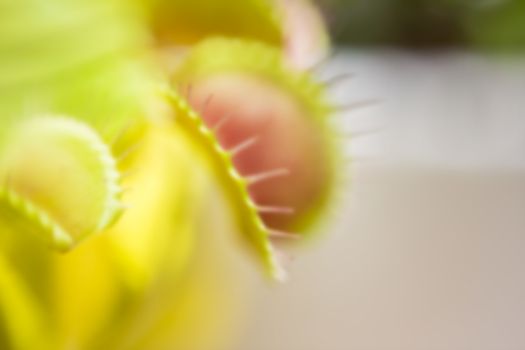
pixel 70 80
pixel 265 131
pixel 296 27
pixel 58 180
pixel 234 185
pixel 183 22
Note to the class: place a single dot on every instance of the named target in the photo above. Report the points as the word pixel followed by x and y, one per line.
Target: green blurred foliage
pixel 495 25
pixel 500 27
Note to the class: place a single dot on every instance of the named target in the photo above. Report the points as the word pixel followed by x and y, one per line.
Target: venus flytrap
pixel 104 186
pixel 234 185
pixel 248 92
pixel 70 79
pixel 61 175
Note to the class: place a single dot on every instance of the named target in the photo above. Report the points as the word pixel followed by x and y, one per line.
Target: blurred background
pixel 428 247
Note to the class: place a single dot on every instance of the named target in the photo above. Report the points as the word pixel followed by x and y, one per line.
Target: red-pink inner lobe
pixel 242 107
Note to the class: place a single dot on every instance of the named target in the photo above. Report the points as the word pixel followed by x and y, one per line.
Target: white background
pixel 427 250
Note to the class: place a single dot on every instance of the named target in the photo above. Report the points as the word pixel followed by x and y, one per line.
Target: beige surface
pixel 429 247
